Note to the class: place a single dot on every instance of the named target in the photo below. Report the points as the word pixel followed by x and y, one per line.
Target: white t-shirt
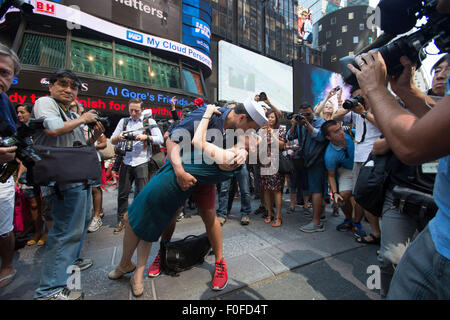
pixel 363 149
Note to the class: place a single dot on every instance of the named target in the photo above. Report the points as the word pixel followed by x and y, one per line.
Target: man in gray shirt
pixel 71 206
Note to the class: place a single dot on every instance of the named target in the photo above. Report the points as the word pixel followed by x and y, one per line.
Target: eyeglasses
pixel 64 83
pixel 5 73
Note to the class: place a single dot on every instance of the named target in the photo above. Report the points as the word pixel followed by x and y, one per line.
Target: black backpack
pixel 183 254
pixel 372 183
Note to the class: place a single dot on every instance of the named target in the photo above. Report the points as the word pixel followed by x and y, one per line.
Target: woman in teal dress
pixel 156 204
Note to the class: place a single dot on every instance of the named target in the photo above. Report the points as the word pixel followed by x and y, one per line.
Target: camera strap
pixel 364 131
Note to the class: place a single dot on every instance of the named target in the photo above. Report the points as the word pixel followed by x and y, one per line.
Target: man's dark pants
pixel 128 175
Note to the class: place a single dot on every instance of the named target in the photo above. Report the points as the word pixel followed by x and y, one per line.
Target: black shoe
pixel 259 210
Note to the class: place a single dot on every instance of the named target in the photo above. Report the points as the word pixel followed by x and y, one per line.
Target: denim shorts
pixel 317 178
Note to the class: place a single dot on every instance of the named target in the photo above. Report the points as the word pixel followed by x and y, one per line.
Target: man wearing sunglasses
pixel 339 157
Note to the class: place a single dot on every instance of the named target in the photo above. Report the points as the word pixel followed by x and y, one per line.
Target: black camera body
pixel 22 140
pixel 436 28
pixel 352 102
pixel 103 120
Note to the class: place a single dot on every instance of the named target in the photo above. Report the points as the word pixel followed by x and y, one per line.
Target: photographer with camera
pixel 9 67
pixel 357 110
pixel 70 203
pixel 313 144
pixel 415 137
pixel 136 154
pixel 439 81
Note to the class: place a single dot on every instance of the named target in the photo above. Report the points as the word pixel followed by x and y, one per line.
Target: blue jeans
pixel 244 187
pixel 71 217
pixel 422 273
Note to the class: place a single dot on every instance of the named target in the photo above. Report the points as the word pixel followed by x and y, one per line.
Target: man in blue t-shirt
pixel 9 67
pixel 339 157
pixel 416 136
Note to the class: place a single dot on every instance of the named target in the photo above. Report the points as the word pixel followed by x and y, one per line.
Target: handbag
pixel 318 151
pixel 371 185
pixel 20 210
pixel 108 152
pixel 285 164
pixel 418 205
pixel 183 254
pixel 64 165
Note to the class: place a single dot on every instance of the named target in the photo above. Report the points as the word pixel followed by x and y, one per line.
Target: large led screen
pixel 312 84
pixel 242 73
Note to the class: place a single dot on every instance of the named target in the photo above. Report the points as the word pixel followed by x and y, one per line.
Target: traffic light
pixel 20 4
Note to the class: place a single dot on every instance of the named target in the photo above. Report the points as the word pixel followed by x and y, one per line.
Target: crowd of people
pixel 327 145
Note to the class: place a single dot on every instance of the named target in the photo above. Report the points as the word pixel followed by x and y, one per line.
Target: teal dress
pixel 156 204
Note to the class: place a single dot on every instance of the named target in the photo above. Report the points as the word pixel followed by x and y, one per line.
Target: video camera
pixel 394 22
pixel 22 140
pixel 297 116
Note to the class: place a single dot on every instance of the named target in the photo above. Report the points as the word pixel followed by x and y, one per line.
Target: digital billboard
pixel 197 24
pixel 312 84
pixel 243 72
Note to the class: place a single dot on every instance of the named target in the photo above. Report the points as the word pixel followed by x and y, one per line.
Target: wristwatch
pixel 364 114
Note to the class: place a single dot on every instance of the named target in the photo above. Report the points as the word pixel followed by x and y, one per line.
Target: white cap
pixel 255 111
pixel 147 112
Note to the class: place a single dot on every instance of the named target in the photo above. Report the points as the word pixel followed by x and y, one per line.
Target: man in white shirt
pixel 367 133
pixel 135 163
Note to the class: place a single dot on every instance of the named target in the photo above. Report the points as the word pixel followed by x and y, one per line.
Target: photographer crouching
pixel 9 67
pixel 136 149
pixel 70 203
pixel 415 136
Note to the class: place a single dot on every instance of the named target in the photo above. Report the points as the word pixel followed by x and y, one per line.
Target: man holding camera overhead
pixel 135 164
pixel 70 203
pixel 357 111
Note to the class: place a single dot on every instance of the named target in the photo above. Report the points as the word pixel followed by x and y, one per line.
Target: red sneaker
pixel 155 268
pixel 220 278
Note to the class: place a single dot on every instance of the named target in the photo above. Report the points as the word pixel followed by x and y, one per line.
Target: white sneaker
pixel 95 225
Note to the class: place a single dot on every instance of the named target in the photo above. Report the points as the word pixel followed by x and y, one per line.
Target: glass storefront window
pixel 43 51
pixel 165 75
pixel 91 59
pixel 134 51
pixel 132 68
pixel 192 82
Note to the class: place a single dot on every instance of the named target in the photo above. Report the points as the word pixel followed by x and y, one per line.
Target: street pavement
pixel 264 263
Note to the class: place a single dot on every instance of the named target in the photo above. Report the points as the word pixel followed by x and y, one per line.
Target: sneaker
pixel 311 227
pixel 180 216
pixel 65 294
pixel 222 221
pixel 291 210
pixel 345 226
pixel 220 279
pixel 102 214
pixel 96 223
pixel 83 264
pixel 245 220
pixel 119 227
pixel 358 231
pixel 155 268
pixel 323 218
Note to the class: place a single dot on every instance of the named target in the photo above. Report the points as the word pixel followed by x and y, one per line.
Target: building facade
pixel 343 32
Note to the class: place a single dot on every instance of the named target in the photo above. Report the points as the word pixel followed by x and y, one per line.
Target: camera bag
pixel 181 255
pixel 65 165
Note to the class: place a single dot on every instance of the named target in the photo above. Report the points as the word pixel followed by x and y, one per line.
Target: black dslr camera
pixel 104 121
pixel 352 102
pixel 22 140
pixel 394 22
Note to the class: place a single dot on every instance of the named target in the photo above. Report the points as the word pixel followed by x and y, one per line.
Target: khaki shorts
pixel 345 178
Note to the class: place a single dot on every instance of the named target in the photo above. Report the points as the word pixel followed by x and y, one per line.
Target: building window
pixel 351 15
pixel 344 29
pixel 333 20
pixel 192 82
pixel 324 48
pixel 43 51
pixel 320 27
pixel 333 58
pixel 338 42
pixel 361 26
pixel 355 39
pixel 164 73
pixel 132 68
pixel 89 58
pixel 328 34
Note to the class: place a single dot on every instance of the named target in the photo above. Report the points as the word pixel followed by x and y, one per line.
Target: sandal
pixel 7 279
pixel 268 219
pixel 33 241
pixel 277 223
pixel 374 240
pixel 307 205
pixel 42 240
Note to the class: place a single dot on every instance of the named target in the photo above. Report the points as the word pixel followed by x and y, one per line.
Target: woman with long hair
pixel 273 184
